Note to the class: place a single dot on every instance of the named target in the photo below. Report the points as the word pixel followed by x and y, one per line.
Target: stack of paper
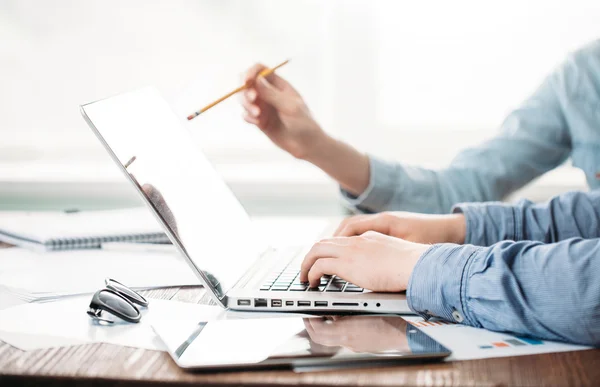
pixel 32 276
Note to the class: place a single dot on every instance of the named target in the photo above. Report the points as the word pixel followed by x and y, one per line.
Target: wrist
pixel 411 256
pixel 457 229
pixel 417 252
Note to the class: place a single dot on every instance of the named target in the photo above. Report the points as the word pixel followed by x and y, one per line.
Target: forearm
pixel 533 140
pixel 398 187
pixel 526 288
pixel 570 215
pixel 342 162
pixel 472 178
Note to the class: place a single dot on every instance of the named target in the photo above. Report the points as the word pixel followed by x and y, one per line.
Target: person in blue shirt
pixel 529 269
pixel 560 120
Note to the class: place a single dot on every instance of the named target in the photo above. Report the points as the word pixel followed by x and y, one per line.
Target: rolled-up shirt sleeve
pixel 383 184
pixel 438 292
pixel 550 291
pixel 570 215
pixel 533 139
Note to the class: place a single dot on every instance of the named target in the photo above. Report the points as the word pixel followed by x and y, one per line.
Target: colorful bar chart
pixel 430 323
pixel 467 342
pixel 512 342
pixel 504 343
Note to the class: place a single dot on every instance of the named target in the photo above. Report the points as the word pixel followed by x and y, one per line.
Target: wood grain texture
pixel 107 364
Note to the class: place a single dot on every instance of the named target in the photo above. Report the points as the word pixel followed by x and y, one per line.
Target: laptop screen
pixel 199 212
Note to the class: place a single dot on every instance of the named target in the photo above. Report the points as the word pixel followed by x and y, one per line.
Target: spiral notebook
pixel 45 230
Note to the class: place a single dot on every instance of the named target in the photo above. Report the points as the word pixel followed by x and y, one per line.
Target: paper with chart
pixel 467 343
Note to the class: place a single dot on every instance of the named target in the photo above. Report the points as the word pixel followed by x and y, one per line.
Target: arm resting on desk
pixel 550 291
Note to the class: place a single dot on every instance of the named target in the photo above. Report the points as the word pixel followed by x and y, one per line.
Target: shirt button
pixel 457 316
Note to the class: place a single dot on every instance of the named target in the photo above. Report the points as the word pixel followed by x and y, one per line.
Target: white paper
pixel 8 299
pixel 65 323
pixel 33 275
pixel 467 343
pixel 30 342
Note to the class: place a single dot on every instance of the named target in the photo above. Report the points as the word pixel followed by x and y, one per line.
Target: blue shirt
pixel 529 269
pixel 560 120
pixel 526 269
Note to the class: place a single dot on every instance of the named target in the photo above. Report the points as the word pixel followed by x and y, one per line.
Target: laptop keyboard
pixel 287 279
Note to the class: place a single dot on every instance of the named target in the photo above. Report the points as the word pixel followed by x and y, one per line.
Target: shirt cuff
pixel 437 285
pixel 487 223
pixel 382 182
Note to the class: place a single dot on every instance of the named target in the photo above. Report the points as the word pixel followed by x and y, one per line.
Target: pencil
pixel 263 73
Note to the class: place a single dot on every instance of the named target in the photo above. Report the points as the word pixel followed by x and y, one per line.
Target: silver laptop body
pixel 205 221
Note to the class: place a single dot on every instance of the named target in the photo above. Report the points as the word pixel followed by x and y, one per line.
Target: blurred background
pixel 409 81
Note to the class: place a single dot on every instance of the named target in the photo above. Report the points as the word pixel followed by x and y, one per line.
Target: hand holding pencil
pixel 263 73
pixel 279 111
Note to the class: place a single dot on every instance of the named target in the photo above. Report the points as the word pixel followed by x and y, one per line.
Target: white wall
pixel 383 75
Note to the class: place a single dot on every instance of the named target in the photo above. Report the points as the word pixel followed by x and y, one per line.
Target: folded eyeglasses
pixel 118 300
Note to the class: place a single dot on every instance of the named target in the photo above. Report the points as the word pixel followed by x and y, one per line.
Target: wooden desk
pixel 104 364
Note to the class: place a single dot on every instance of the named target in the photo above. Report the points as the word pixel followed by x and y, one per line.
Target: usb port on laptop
pixel 276 303
pixel 320 303
pixel 303 303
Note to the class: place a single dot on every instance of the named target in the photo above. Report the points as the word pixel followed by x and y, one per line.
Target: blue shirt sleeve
pixel 550 291
pixel 574 214
pixel 533 139
pixel 547 287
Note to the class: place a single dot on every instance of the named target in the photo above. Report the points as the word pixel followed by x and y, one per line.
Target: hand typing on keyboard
pixel 372 261
pixel 289 280
pixel 420 228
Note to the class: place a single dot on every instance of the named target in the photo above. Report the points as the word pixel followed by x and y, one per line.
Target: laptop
pixel 205 221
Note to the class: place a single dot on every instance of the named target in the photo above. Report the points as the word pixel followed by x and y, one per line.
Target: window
pixel 57 55
pixel 383 75
pixel 407 70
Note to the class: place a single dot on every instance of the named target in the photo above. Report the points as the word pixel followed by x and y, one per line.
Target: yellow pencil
pixel 263 73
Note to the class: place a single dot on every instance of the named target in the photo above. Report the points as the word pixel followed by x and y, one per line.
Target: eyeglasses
pixel 118 300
